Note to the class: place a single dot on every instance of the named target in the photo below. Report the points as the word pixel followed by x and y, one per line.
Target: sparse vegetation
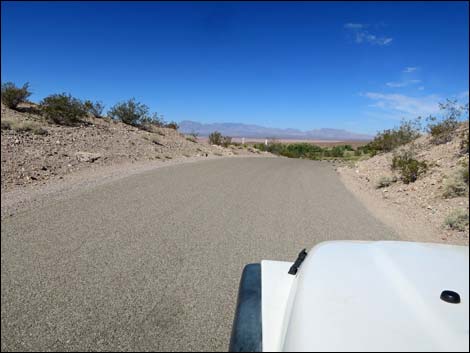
pixel 23 126
pixel 457 184
pixel 463 172
pixel 12 95
pixel 63 109
pixel 464 142
pixel 388 140
pixel 131 112
pixel 226 141
pixel 172 125
pixel 443 130
pixel 409 167
pixel 94 108
pixel 215 138
pixel 310 151
pixel 386 181
pixel 457 219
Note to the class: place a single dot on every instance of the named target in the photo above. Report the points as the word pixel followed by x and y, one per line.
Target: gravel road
pixel 152 261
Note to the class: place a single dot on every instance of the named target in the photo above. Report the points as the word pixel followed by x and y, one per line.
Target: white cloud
pixel 410 69
pixel 421 88
pixel 354 25
pixel 402 83
pixel 401 105
pixel 363 36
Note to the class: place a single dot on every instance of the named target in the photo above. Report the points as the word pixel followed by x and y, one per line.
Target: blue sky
pixel 361 66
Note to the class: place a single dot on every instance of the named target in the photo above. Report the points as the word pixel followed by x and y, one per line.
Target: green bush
pixel 94 108
pixel 12 95
pixel 388 140
pixel 132 113
pixel 443 130
pixel 409 167
pixel 215 138
pixel 457 219
pixel 337 151
pixel 63 109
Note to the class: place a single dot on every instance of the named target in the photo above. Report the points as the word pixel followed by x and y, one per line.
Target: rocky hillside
pixel 35 151
pixel 436 202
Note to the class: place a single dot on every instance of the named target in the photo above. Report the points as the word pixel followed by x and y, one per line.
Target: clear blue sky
pixel 358 66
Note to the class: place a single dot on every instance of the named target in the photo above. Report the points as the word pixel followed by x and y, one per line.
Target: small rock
pixel 57 142
pixel 87 156
pixel 17 141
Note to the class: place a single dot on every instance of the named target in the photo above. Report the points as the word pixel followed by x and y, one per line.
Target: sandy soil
pixel 417 210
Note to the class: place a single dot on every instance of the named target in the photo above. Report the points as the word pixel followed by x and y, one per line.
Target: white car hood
pixel 368 296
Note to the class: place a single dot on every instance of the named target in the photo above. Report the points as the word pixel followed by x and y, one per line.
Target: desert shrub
pixel 457 184
pixel 132 113
pixel 215 138
pixel 463 172
pixel 409 167
pixel 443 130
pixel 385 181
pixel 464 143
pixel 94 108
pixel 388 140
pixel 6 124
pixel 12 95
pixel 457 219
pixel 337 151
pixel 63 109
pixel 172 125
pixel 226 141
pixel 24 126
pixel 454 186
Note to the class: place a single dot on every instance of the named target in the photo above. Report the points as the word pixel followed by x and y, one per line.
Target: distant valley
pixel 256 131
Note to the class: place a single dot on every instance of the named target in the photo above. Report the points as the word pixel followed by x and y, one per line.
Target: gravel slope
pixel 152 261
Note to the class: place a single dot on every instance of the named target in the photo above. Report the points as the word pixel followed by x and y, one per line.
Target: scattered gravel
pixel 417 210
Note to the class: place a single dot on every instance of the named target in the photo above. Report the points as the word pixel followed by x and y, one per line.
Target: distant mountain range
pixel 256 131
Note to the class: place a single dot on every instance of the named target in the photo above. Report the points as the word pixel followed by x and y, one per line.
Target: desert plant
pixel 454 186
pixel 94 108
pixel 457 219
pixel 131 112
pixel 463 172
pixel 6 124
pixel 63 109
pixel 443 130
pixel 13 95
pixel 172 125
pixel 226 141
pixel 24 126
pixel 388 140
pixel 409 167
pixel 464 143
pixel 385 181
pixel 215 138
